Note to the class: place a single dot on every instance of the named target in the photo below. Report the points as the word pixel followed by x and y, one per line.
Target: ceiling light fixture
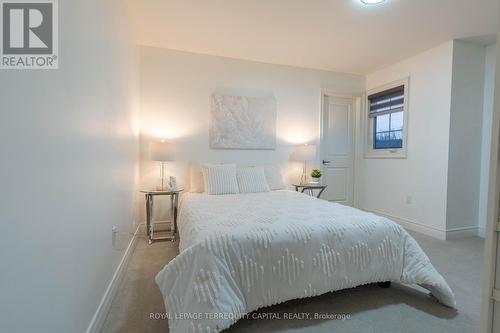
pixel 372 2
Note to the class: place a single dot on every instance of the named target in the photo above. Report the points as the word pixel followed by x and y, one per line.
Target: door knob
pixel 326 162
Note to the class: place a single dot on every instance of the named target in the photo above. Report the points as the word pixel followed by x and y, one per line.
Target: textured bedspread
pixel 246 251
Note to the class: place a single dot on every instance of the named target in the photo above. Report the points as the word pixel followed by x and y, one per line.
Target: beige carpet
pixel 370 308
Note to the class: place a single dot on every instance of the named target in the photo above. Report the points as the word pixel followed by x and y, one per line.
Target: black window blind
pixel 387 101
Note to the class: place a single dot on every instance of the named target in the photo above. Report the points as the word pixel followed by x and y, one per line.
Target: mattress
pixel 241 252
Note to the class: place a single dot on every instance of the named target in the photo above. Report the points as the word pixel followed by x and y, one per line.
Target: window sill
pixel 386 153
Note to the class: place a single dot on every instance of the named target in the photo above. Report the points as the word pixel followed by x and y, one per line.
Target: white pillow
pixel 274 177
pixel 252 180
pixel 196 179
pixel 220 179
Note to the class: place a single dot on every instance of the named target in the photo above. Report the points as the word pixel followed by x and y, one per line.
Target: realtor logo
pixel 29 34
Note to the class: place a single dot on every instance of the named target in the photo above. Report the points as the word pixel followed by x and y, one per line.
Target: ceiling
pixel 335 35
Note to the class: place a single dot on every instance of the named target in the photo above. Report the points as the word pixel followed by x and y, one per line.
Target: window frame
pixel 370 152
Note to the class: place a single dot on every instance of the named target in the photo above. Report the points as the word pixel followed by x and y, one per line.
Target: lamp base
pixel 164 186
pixel 303 177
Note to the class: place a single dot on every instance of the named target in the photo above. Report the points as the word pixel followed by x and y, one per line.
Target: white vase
pixel 315 181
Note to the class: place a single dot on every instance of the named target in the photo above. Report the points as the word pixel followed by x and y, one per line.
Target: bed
pixel 241 252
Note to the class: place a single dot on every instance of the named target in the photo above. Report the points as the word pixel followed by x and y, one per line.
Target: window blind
pixel 387 101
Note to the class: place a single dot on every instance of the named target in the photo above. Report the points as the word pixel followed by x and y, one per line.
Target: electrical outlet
pixel 408 199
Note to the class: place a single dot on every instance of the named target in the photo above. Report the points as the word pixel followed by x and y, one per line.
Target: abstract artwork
pixel 239 122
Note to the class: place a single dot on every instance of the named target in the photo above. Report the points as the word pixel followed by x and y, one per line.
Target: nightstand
pixel 310 188
pixel 150 223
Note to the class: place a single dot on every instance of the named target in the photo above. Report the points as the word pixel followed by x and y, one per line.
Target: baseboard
pixel 443 234
pixel 481 232
pixel 463 232
pixel 413 225
pixel 99 317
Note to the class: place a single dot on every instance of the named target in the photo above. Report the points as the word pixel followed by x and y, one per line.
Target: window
pixel 386 117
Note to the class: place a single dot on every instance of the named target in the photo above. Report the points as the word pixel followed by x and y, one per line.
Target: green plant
pixel 316 173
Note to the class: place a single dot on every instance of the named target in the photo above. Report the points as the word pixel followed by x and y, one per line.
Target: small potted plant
pixel 315 175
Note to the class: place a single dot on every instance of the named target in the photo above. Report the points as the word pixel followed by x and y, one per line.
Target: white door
pixel 337 148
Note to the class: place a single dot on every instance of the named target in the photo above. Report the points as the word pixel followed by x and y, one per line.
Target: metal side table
pixel 150 223
pixel 309 188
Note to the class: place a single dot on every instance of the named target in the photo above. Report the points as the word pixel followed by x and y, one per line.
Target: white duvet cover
pixel 245 251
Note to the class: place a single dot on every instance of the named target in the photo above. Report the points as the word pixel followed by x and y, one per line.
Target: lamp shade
pixel 162 151
pixel 304 152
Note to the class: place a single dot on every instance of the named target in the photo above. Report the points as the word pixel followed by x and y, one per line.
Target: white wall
pixel 175 92
pixel 489 87
pixel 67 172
pixel 437 188
pixel 413 190
pixel 464 161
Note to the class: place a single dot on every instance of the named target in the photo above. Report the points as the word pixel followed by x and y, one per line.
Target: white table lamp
pixel 304 153
pixel 162 151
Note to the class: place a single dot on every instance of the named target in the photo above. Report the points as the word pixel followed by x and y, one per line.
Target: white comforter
pixel 246 251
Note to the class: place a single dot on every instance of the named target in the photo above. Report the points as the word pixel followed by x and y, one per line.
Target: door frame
pixel 490 296
pixel 355 135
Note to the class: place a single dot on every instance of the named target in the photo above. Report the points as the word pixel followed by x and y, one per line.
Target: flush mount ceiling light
pixel 372 2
